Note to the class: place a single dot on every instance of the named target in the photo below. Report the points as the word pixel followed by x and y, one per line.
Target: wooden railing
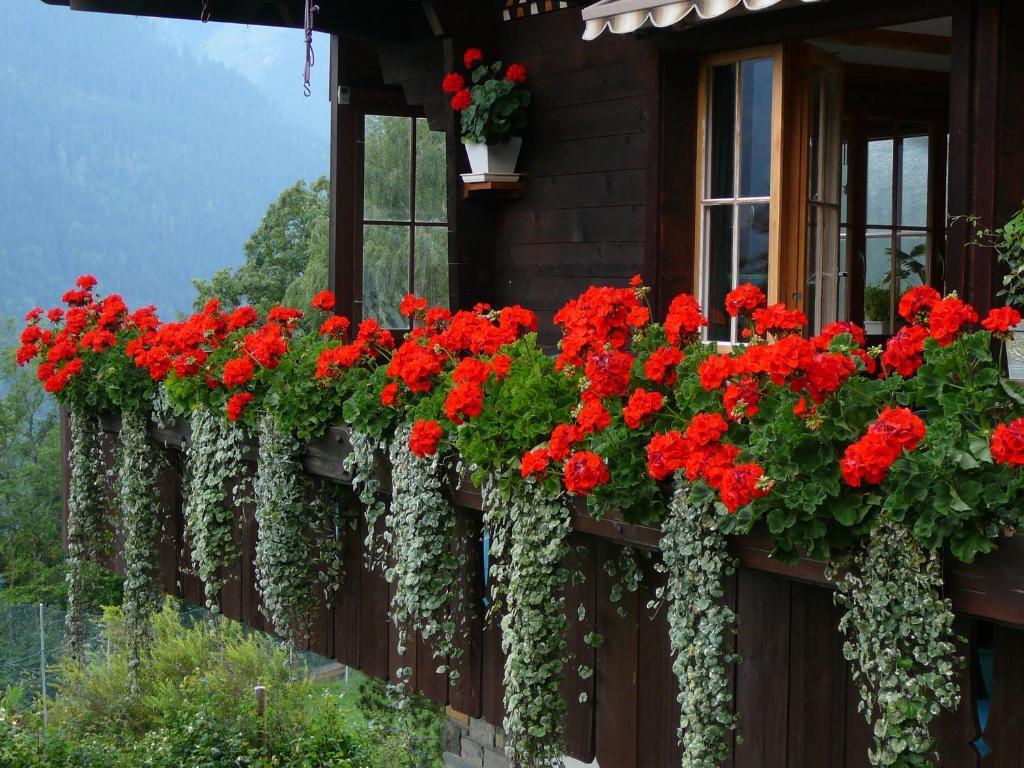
pixel 792 689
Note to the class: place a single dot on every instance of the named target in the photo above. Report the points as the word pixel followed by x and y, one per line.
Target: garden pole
pixel 260 694
pixel 42 659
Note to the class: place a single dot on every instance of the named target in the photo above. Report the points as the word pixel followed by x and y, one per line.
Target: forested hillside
pixel 127 156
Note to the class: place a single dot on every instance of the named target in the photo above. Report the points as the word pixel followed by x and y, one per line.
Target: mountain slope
pixel 127 157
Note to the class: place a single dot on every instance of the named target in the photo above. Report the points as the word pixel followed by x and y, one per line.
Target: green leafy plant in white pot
pixel 492 105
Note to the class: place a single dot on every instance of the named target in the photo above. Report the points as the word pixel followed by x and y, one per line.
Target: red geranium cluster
pixel 85 325
pixel 445 341
pixel 700 453
pixel 868 460
pixel 600 319
pixel 1008 443
pixel 931 315
pixel 454 83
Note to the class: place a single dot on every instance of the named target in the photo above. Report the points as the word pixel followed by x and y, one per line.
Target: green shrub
pixel 197 709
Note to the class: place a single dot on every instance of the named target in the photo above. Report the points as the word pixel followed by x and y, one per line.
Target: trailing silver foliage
pixel 362 463
pixel 86 505
pixel 900 642
pixel 298 554
pixel 138 497
pixel 424 561
pixel 695 559
pixel 214 465
pixel 529 530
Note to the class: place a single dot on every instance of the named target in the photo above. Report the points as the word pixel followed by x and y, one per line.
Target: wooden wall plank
pixel 581 593
pixel 170 502
pixel 956 731
pixel 817 680
pixel 492 672
pixel 657 688
pixel 374 636
pixel 762 685
pixel 347 597
pixel 464 692
pixel 1005 731
pixel 616 683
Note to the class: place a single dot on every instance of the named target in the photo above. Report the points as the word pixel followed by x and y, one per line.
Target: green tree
pixel 31 556
pixel 285 258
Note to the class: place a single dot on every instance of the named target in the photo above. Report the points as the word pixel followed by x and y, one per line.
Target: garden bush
pixel 197 709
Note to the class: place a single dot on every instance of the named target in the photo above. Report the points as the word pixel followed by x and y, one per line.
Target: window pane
pixel 387 168
pixel 911 261
pixel 431 190
pixel 431 265
pixel 756 128
pixel 385 272
pixel 722 132
pixel 880 181
pixel 914 169
pixel 753 245
pixel 719 278
pixel 878 280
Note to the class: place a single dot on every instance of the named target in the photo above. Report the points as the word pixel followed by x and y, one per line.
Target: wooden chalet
pixel 814 146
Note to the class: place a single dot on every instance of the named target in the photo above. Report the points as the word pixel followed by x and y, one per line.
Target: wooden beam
pixel 891 39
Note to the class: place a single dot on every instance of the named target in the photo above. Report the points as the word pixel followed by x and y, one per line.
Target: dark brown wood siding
pixel 581 218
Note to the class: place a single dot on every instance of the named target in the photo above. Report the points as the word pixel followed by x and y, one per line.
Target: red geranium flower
pixel 741 399
pixel 389 395
pixel 237 404
pixel 412 304
pixel 516 73
pixel 900 427
pixel 534 462
pixel 243 317
pixel 642 404
pixel 714 371
pixel 424 438
pixel 661 366
pixel 334 360
pixel 1008 443
pixel 706 428
pixel 561 441
pixel 286 315
pixel 471 57
pixel 461 100
pixel 584 471
pixel 237 372
pixel 742 484
pixel 948 317
pixel 744 298
pixel 323 300
pixel 453 83
pixel 684 320
pixel 86 282
pixel 336 326
pixel 917 302
pixel 464 401
pixel 608 372
pixel 593 417
pixel 904 353
pixel 1001 320
pixel 666 454
pixel 778 320
pixel 868 460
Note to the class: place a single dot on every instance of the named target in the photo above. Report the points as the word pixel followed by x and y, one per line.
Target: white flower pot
pixel 494 158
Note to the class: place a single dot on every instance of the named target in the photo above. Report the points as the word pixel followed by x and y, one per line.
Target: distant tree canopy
pixel 285 258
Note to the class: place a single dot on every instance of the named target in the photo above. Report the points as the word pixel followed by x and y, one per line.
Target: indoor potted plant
pixel 492 106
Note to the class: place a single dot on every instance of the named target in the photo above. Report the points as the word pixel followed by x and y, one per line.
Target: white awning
pixel 625 16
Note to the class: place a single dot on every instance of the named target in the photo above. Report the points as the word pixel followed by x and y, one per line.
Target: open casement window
pixel 769 139
pixel 402 216
pixel 894 203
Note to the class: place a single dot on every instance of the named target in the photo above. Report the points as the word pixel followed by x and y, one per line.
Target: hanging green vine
pixel 362 463
pixel 529 528
pixel 900 642
pixel 214 460
pixel 138 499
pixel 86 531
pixel 695 559
pixel 424 563
pixel 298 546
